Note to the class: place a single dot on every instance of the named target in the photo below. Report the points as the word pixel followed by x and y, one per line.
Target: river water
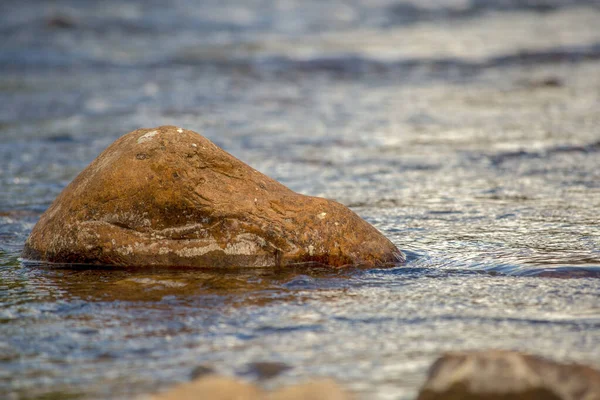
pixel 467 131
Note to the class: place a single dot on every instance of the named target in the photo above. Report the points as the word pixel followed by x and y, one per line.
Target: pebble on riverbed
pixel 496 375
pixel 476 375
pixel 263 370
pixel 222 388
pixel 170 197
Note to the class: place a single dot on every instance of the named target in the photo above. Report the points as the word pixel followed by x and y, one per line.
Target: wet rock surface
pixel 222 388
pixel 170 197
pixel 495 375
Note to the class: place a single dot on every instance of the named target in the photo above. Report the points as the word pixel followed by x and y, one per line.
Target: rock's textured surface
pixel 495 375
pixel 170 197
pixel 221 388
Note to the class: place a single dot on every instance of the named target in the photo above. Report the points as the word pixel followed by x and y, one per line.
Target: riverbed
pixel 468 132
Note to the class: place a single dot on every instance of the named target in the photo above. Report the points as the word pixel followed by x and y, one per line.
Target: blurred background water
pixel 468 131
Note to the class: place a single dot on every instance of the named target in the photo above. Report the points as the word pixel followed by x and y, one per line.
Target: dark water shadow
pixel 565 272
pixel 500 158
pixel 350 66
pixel 538 271
pixel 409 13
pixel 344 66
pixel 421 264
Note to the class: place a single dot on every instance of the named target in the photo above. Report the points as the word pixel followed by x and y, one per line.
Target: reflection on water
pixel 109 331
pixel 95 283
pixel 466 131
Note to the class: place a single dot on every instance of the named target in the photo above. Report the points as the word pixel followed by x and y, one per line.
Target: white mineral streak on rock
pixel 179 130
pixel 189 228
pixel 322 215
pixel 246 244
pixel 190 252
pixel 147 136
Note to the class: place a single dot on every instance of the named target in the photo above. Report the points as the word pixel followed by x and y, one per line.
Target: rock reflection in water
pixel 241 286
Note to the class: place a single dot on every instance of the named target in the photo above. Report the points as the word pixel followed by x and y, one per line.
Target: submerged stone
pixel 498 375
pixel 170 197
pixel 266 370
pixel 223 388
pixel 213 387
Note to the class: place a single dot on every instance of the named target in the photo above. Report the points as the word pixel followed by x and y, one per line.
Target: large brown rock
pixel 170 197
pixel 503 375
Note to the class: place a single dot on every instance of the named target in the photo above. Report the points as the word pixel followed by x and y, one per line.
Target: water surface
pixel 466 131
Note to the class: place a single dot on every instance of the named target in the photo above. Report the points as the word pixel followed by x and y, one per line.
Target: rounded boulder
pixel 170 197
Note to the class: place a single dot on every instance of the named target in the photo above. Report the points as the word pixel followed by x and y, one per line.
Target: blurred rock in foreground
pixel 220 388
pixel 495 375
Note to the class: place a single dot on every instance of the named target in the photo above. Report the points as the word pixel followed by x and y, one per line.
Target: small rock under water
pixel 222 388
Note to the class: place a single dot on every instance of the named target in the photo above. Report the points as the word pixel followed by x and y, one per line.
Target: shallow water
pixel 466 131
